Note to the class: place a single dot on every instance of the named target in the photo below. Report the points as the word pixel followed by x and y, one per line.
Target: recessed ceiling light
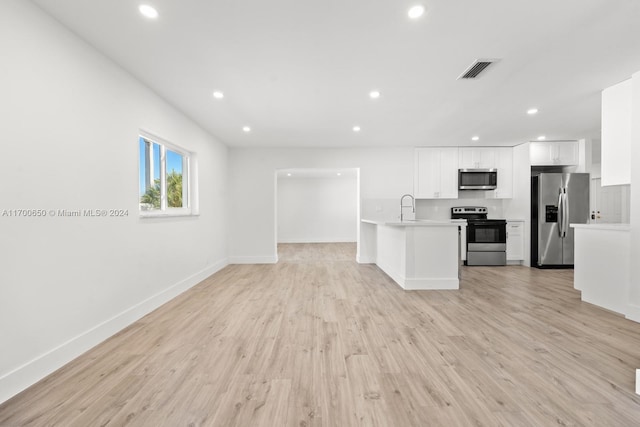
pixel 542 138
pixel 288 174
pixel 374 94
pixel 246 128
pixel 416 11
pixel 356 128
pixel 338 174
pixel 475 138
pixel 218 95
pixel 532 111
pixel 148 11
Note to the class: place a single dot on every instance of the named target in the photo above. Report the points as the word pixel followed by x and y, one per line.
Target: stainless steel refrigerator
pixel 557 200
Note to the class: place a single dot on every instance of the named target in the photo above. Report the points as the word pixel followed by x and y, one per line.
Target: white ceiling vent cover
pixel 475 69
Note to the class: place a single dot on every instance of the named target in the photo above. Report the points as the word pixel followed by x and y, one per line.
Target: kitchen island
pixel 416 254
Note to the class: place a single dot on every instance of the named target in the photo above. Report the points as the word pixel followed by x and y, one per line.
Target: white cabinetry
pixel 436 170
pixel 500 158
pixel 554 153
pixel 515 240
pixel 436 173
pixel 504 164
pixel 616 134
pixel 477 158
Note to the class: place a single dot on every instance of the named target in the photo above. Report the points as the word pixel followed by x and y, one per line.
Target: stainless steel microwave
pixel 477 179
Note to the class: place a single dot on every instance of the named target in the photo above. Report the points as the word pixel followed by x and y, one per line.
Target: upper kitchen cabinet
pixel 616 133
pixel 436 173
pixel 554 153
pixel 477 158
pixel 500 158
pixel 504 165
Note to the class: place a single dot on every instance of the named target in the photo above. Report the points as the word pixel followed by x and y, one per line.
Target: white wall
pixel 634 287
pixel 385 175
pixel 68 132
pixel 317 209
pixel 616 133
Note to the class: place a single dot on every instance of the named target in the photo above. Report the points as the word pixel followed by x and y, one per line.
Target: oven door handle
pixel 488 222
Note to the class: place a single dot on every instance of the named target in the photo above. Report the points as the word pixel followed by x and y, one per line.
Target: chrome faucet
pixel 402 205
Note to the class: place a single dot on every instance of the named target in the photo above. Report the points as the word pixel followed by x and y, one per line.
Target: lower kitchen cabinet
pixel 515 240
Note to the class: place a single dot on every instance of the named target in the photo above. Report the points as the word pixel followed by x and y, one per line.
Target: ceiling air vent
pixel 478 66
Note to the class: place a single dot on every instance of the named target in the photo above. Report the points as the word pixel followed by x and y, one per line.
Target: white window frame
pixel 188 184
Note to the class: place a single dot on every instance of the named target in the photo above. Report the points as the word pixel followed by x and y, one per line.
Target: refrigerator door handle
pixel 565 212
pixel 560 214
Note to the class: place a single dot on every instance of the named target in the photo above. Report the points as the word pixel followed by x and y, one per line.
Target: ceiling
pixel 299 73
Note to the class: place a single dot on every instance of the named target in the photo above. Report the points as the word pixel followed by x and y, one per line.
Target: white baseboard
pixel 420 284
pixel 632 312
pixel 365 260
pixel 267 259
pixel 33 371
pixel 431 284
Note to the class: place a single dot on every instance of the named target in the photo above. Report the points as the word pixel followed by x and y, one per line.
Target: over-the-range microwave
pixel 477 179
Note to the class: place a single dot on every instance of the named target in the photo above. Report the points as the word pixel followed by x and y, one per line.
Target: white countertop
pixel 614 227
pixel 418 223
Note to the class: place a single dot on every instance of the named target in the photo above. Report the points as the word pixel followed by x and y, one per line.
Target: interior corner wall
pixel 385 174
pixel 68 130
pixel 317 209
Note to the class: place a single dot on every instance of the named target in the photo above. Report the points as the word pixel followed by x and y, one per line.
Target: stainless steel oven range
pixel 486 238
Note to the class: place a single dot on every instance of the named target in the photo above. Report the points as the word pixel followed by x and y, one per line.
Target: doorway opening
pixel 317 207
pixel 610 204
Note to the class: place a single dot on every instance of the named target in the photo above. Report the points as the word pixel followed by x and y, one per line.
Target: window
pixel 165 172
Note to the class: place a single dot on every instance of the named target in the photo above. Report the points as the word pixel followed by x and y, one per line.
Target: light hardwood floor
pixel 320 340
